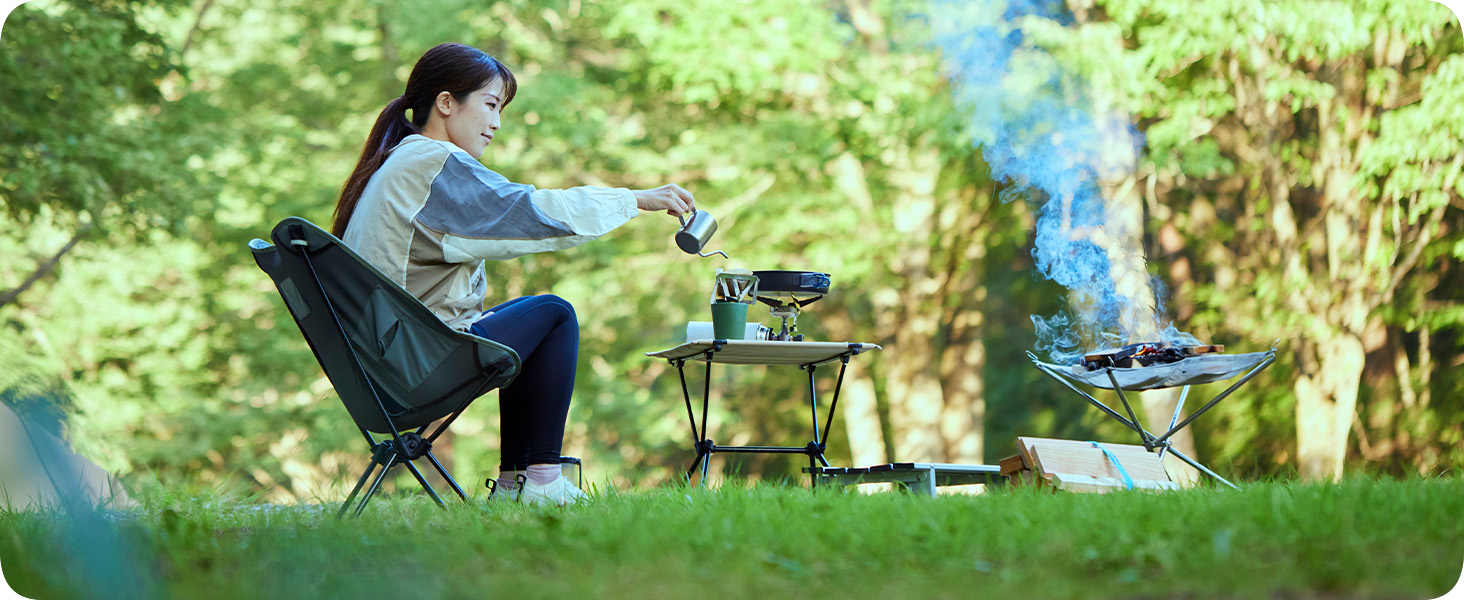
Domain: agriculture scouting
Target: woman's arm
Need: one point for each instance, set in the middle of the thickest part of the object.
(479, 214)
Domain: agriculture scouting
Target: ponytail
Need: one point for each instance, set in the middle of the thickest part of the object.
(454, 68)
(390, 129)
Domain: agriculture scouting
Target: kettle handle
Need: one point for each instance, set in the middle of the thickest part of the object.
(684, 220)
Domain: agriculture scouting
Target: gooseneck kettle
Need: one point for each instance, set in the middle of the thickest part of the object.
(696, 232)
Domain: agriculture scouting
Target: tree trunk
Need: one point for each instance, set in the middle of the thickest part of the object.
(1333, 359)
(1159, 404)
(1326, 399)
(860, 406)
(964, 413)
(859, 399)
(913, 385)
(390, 58)
(915, 397)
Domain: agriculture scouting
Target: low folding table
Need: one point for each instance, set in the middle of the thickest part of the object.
(1193, 370)
(807, 356)
(920, 479)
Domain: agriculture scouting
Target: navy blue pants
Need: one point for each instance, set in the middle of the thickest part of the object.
(532, 410)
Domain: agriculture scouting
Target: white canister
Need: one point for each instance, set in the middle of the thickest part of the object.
(702, 330)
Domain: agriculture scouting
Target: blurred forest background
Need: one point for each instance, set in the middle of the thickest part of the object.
(1300, 180)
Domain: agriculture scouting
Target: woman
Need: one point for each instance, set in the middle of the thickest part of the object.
(425, 212)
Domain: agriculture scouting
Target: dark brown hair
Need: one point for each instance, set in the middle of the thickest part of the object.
(454, 68)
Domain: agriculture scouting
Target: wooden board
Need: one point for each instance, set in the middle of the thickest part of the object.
(1012, 464)
(1203, 349)
(1070, 482)
(1024, 450)
(1097, 355)
(1067, 455)
(1092, 461)
(1083, 467)
(1027, 478)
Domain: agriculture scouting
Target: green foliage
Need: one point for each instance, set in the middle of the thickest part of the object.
(92, 134)
(1418, 145)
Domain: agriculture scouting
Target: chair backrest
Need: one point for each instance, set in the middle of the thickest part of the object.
(372, 338)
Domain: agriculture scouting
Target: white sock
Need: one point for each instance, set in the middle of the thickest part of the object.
(508, 480)
(543, 474)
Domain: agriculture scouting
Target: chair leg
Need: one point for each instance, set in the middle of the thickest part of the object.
(359, 483)
(418, 474)
(450, 480)
(375, 484)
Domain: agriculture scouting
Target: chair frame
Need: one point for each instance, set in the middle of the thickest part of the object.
(399, 448)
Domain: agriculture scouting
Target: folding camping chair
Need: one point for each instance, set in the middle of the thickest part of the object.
(394, 364)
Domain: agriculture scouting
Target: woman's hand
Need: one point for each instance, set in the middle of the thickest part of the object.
(672, 198)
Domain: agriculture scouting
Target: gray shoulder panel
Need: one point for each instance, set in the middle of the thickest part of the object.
(468, 200)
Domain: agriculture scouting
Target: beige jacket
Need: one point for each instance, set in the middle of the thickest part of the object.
(432, 214)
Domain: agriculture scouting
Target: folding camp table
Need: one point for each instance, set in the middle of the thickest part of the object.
(1193, 370)
(807, 356)
(921, 479)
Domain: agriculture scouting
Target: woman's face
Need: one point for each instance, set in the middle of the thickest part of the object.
(471, 125)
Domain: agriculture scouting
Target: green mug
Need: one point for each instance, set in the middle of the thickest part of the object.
(729, 320)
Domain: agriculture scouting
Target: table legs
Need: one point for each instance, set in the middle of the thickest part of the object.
(705, 447)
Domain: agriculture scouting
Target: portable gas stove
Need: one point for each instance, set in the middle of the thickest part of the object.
(786, 293)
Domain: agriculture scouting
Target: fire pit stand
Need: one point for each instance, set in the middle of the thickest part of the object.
(1193, 370)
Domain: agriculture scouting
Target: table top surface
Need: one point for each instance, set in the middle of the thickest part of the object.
(763, 352)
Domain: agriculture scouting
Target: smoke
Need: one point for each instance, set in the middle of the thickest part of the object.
(1046, 139)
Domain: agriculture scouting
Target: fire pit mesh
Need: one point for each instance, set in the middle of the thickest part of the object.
(1194, 370)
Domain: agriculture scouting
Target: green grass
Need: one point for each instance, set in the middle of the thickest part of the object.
(1363, 538)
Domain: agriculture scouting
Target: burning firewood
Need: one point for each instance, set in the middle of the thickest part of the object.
(1144, 354)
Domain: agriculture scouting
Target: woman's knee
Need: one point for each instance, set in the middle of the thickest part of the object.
(564, 310)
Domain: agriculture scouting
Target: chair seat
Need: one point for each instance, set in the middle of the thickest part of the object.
(393, 363)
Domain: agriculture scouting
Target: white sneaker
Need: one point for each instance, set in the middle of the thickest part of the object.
(558, 492)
